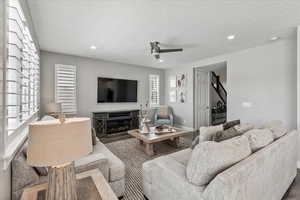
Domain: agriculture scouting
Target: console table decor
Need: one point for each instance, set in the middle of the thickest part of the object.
(111, 122)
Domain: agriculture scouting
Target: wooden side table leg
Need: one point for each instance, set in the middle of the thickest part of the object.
(149, 149)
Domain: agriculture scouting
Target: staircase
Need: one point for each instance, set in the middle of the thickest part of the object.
(217, 85)
(218, 113)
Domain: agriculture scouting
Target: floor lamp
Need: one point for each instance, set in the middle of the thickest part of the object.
(57, 144)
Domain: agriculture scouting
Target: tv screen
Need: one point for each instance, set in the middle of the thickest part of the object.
(116, 90)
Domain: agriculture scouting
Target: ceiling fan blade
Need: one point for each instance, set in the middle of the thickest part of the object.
(169, 50)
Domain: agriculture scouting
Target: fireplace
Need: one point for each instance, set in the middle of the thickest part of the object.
(113, 122)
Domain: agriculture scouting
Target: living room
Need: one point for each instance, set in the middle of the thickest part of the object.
(140, 78)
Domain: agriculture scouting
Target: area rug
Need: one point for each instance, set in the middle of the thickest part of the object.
(134, 158)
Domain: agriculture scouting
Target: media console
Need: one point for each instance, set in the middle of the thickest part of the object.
(112, 122)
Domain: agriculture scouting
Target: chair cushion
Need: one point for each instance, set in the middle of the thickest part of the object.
(116, 166)
(210, 158)
(163, 122)
(259, 138)
(163, 111)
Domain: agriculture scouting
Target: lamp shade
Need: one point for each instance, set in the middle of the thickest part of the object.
(52, 143)
(53, 108)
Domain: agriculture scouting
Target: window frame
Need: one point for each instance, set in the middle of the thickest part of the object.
(11, 141)
(157, 104)
(75, 90)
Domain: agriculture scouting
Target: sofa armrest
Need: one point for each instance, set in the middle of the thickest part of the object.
(93, 161)
(168, 179)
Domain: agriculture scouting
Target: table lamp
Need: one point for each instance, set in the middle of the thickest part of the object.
(53, 108)
(57, 144)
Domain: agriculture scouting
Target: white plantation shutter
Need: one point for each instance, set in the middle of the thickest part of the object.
(154, 89)
(22, 70)
(65, 88)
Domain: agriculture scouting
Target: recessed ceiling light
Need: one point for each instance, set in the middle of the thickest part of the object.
(230, 37)
(274, 38)
(161, 60)
(93, 47)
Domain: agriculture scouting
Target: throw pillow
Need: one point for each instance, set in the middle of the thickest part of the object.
(259, 138)
(195, 142)
(225, 135)
(206, 133)
(41, 171)
(211, 158)
(273, 123)
(243, 128)
(24, 175)
(276, 127)
(230, 124)
(94, 137)
(278, 131)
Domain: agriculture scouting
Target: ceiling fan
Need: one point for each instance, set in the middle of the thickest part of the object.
(156, 50)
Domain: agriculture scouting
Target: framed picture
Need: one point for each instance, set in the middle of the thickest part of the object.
(181, 83)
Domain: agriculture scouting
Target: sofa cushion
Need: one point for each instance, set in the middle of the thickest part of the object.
(47, 117)
(182, 156)
(42, 171)
(276, 127)
(23, 174)
(272, 123)
(210, 158)
(206, 133)
(230, 124)
(243, 128)
(259, 138)
(225, 135)
(116, 166)
(278, 131)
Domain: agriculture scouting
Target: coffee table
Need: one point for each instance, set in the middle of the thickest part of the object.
(91, 185)
(146, 141)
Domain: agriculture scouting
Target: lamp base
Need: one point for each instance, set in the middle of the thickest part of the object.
(62, 183)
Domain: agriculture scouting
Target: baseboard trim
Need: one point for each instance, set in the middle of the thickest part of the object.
(298, 164)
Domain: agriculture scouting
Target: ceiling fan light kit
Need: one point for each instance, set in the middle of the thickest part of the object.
(156, 50)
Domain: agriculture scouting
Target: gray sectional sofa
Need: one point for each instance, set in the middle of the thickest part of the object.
(112, 168)
(265, 174)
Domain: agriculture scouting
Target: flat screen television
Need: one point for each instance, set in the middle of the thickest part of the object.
(112, 90)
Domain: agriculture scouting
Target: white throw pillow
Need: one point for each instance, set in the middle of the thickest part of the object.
(243, 128)
(210, 158)
(259, 138)
(271, 124)
(278, 131)
(206, 133)
(276, 127)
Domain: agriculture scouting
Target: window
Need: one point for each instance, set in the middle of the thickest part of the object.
(65, 88)
(154, 89)
(22, 71)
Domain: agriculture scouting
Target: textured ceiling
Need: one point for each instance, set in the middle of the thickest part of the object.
(122, 29)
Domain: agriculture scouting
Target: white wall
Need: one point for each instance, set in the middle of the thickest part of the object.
(264, 76)
(88, 71)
